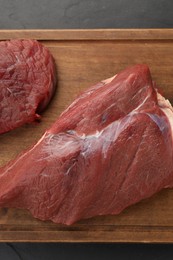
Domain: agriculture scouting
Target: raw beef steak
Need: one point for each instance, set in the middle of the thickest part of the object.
(27, 82)
(110, 149)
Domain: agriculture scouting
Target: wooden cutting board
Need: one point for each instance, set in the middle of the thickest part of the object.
(83, 58)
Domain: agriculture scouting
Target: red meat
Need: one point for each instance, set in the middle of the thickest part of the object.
(27, 82)
(110, 149)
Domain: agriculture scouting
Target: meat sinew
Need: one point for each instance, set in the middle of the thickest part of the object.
(110, 149)
(27, 82)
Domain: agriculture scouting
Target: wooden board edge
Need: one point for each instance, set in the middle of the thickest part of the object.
(89, 34)
(87, 237)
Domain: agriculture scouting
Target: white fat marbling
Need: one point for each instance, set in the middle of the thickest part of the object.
(166, 107)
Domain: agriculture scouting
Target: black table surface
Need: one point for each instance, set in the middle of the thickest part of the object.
(61, 14)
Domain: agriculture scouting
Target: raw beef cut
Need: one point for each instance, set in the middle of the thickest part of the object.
(110, 149)
(27, 82)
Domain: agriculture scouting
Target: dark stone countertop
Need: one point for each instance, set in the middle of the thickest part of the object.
(54, 14)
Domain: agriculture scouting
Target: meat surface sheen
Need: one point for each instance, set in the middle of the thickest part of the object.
(27, 82)
(110, 149)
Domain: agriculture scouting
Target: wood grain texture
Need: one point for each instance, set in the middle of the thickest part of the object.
(87, 34)
(83, 58)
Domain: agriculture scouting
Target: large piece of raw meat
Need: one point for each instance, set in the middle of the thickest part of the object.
(27, 82)
(110, 149)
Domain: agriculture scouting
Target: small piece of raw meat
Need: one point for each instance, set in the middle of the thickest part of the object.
(27, 82)
(110, 149)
